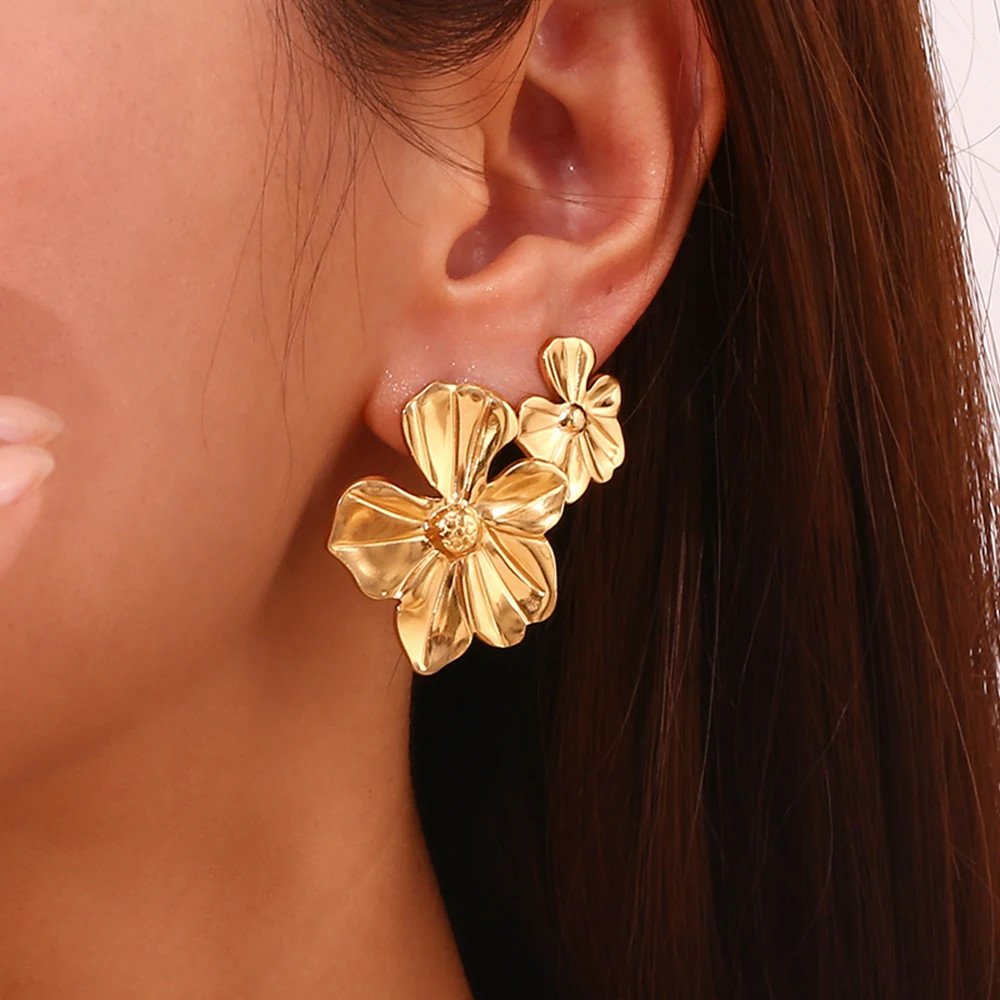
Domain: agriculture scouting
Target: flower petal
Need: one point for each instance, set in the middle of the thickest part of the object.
(431, 618)
(541, 432)
(604, 447)
(577, 469)
(567, 363)
(510, 582)
(378, 535)
(529, 497)
(454, 432)
(604, 397)
(534, 563)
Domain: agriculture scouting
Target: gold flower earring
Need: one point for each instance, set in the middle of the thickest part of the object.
(580, 434)
(474, 560)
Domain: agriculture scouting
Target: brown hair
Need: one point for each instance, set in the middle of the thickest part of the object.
(755, 753)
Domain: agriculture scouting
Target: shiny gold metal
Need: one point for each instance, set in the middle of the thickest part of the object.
(472, 560)
(580, 434)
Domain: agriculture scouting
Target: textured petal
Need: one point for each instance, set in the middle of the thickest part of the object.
(529, 497)
(431, 618)
(510, 582)
(454, 432)
(534, 563)
(577, 469)
(567, 363)
(604, 397)
(378, 535)
(541, 431)
(604, 447)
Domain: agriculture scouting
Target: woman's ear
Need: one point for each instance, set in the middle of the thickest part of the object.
(594, 132)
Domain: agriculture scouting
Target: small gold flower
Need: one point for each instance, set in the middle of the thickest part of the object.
(581, 434)
(472, 561)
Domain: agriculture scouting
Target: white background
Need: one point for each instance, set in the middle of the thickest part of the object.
(967, 34)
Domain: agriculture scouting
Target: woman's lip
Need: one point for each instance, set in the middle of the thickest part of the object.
(25, 422)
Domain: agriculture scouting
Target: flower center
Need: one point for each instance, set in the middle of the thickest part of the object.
(454, 529)
(574, 418)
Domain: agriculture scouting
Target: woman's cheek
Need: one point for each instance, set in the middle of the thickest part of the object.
(132, 153)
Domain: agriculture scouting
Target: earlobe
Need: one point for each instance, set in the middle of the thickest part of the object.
(591, 164)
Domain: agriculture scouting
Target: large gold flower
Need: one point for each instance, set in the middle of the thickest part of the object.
(472, 561)
(580, 434)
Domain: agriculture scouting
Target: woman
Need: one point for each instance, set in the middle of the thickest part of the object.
(753, 751)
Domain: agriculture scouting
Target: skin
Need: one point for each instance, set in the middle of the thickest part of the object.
(204, 785)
